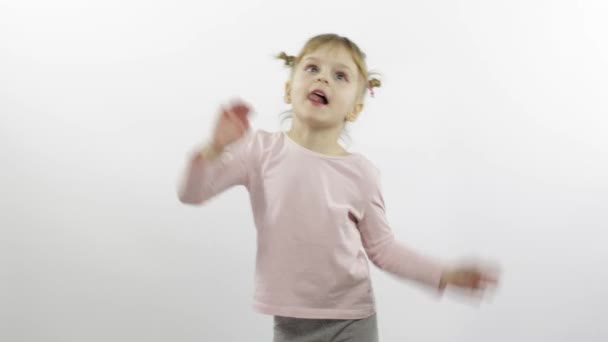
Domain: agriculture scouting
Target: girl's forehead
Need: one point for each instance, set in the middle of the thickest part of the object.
(332, 54)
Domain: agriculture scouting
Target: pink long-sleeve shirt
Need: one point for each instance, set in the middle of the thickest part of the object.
(318, 219)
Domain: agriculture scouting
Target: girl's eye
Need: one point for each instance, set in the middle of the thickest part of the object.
(339, 75)
(342, 76)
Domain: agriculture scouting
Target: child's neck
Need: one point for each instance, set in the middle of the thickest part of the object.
(324, 141)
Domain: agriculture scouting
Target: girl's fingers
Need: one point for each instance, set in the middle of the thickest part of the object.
(242, 113)
(241, 110)
(226, 111)
(232, 121)
(237, 121)
(490, 276)
(240, 107)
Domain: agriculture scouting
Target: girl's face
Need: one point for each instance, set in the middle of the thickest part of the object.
(325, 86)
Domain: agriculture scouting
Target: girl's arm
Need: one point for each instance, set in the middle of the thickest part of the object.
(388, 253)
(209, 171)
(222, 163)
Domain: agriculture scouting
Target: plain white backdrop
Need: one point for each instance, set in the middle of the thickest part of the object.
(490, 130)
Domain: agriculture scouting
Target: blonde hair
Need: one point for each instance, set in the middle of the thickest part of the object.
(334, 40)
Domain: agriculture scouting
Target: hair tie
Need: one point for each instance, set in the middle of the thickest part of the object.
(289, 60)
(373, 83)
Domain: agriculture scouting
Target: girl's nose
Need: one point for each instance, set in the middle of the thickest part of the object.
(321, 79)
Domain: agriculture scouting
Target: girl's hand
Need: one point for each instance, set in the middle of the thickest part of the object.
(232, 123)
(471, 278)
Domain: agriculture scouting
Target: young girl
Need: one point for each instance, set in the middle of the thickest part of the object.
(318, 209)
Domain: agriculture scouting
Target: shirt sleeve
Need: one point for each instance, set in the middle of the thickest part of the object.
(201, 179)
(385, 251)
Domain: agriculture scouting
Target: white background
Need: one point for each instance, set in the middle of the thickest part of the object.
(490, 130)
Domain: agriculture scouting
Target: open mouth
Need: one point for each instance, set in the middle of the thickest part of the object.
(318, 96)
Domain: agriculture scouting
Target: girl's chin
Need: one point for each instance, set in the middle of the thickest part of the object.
(315, 118)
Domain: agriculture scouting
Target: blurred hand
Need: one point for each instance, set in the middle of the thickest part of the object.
(470, 278)
(231, 124)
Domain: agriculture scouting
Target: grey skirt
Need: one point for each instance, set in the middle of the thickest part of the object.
(289, 329)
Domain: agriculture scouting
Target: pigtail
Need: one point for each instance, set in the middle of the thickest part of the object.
(371, 84)
(289, 60)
